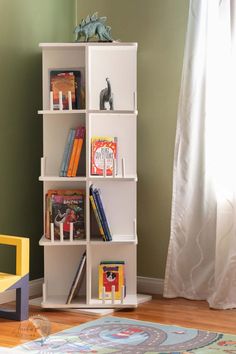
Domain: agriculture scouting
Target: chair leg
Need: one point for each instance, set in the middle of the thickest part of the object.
(22, 301)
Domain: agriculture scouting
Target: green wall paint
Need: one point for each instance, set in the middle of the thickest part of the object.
(24, 24)
(159, 27)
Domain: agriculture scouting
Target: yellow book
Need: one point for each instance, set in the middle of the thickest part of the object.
(78, 151)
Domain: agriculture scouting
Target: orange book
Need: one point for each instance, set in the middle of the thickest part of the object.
(78, 151)
(73, 153)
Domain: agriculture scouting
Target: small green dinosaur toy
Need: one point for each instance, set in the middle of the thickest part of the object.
(93, 26)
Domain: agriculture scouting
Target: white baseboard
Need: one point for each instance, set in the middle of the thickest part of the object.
(150, 285)
(35, 289)
(145, 286)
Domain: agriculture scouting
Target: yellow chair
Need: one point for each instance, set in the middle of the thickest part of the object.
(18, 281)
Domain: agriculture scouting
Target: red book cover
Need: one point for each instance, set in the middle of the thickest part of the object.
(103, 149)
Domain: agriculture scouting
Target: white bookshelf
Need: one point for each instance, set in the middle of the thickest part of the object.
(96, 61)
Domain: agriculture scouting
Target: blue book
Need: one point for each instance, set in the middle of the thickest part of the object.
(103, 215)
(63, 162)
(91, 191)
(69, 150)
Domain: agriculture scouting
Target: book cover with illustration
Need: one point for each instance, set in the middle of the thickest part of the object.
(65, 206)
(103, 148)
(111, 274)
(64, 81)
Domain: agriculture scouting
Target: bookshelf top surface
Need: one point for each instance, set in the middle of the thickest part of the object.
(85, 44)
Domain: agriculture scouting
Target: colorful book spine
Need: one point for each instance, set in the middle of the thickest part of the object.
(73, 152)
(97, 217)
(103, 215)
(81, 135)
(99, 213)
(66, 151)
(69, 152)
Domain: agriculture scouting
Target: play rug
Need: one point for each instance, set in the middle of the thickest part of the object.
(122, 335)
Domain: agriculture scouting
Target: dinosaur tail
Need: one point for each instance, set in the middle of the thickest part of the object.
(107, 34)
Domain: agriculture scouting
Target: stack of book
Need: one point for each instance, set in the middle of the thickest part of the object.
(64, 207)
(72, 152)
(99, 212)
(111, 274)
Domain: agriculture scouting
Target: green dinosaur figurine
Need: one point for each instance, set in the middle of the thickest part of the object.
(93, 26)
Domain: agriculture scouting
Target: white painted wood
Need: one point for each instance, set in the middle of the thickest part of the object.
(119, 191)
(70, 100)
(118, 63)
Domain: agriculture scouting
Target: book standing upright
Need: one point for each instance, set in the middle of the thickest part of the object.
(94, 63)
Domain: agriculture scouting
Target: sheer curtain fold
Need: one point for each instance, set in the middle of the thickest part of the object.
(202, 249)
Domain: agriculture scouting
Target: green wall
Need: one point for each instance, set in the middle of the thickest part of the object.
(159, 27)
(24, 24)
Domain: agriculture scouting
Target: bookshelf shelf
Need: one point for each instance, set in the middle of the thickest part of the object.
(62, 258)
(46, 242)
(62, 179)
(48, 112)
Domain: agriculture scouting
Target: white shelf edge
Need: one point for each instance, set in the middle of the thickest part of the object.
(110, 243)
(84, 179)
(65, 179)
(111, 178)
(83, 111)
(65, 111)
(59, 302)
(46, 242)
(97, 111)
(86, 44)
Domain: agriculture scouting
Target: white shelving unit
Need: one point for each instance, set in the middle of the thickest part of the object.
(61, 258)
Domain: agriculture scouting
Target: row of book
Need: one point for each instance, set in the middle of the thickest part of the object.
(103, 154)
(65, 214)
(111, 280)
(99, 212)
(66, 81)
(72, 152)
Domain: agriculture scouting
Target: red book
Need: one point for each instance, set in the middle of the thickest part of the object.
(103, 148)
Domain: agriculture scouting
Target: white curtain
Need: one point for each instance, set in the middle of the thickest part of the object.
(201, 261)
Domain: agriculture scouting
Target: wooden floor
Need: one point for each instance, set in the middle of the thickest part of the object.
(181, 312)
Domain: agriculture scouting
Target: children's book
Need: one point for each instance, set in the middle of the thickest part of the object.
(77, 281)
(103, 155)
(111, 274)
(65, 206)
(64, 81)
(67, 153)
(93, 205)
(101, 212)
(78, 151)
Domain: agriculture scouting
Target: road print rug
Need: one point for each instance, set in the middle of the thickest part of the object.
(122, 335)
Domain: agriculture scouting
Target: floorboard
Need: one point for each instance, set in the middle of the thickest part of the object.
(187, 313)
